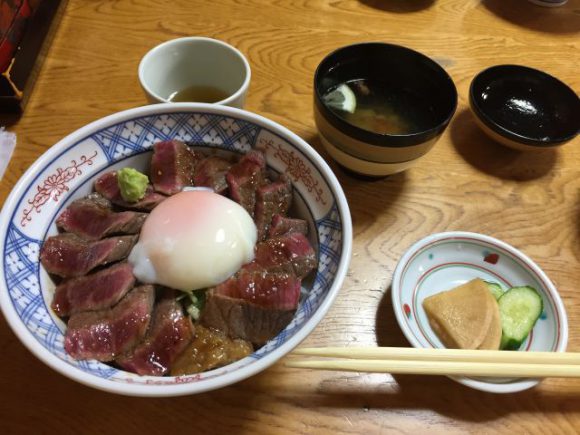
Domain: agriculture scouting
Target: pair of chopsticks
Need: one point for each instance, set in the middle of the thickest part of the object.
(452, 362)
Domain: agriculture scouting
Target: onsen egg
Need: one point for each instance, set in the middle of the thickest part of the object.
(193, 240)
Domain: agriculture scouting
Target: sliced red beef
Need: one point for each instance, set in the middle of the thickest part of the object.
(291, 249)
(68, 255)
(242, 319)
(99, 200)
(211, 172)
(245, 177)
(104, 334)
(170, 333)
(274, 290)
(254, 305)
(271, 199)
(107, 186)
(172, 166)
(93, 292)
(92, 218)
(281, 225)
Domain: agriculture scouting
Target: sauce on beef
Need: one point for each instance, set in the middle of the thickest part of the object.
(208, 350)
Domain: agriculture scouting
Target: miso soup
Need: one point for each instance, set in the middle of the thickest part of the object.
(383, 109)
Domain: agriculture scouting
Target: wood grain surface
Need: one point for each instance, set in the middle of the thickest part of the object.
(467, 183)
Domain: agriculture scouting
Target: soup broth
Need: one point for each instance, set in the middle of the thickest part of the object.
(383, 109)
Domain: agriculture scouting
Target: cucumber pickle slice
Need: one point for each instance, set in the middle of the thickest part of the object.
(496, 290)
(519, 309)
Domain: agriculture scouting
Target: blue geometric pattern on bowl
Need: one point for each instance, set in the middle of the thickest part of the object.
(21, 253)
(136, 135)
(21, 275)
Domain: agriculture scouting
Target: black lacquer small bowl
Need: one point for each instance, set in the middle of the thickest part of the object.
(524, 108)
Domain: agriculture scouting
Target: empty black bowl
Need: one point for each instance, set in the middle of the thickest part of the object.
(524, 108)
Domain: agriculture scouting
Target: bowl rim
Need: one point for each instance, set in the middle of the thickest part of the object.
(503, 131)
(509, 387)
(384, 140)
(74, 373)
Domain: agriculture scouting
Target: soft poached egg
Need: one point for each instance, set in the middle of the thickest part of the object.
(193, 240)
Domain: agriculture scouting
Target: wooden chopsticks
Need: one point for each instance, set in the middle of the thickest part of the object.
(455, 362)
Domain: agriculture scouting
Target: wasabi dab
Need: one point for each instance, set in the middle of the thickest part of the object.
(132, 184)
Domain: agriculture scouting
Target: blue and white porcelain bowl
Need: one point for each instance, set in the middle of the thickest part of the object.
(67, 171)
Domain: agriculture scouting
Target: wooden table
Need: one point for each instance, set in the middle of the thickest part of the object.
(466, 183)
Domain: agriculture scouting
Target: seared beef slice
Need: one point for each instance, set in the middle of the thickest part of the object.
(92, 218)
(170, 333)
(245, 177)
(211, 172)
(291, 249)
(68, 255)
(271, 199)
(245, 320)
(254, 305)
(273, 290)
(104, 334)
(172, 166)
(281, 225)
(260, 300)
(92, 292)
(108, 186)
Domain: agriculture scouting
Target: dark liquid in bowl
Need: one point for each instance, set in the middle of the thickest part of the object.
(199, 94)
(385, 109)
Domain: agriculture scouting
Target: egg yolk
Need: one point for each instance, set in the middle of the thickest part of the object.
(194, 240)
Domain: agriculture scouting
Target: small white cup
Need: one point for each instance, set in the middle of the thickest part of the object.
(195, 61)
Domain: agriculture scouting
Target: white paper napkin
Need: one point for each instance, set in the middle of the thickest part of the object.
(7, 144)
